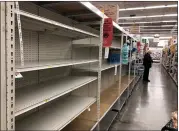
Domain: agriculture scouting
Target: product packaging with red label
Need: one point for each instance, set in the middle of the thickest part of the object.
(107, 32)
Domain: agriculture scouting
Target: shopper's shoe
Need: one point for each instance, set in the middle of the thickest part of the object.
(148, 80)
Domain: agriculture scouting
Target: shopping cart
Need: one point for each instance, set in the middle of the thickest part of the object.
(169, 127)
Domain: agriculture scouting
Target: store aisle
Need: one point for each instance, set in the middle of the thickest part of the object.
(150, 106)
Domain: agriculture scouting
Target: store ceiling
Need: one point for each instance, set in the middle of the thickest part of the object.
(151, 19)
(154, 20)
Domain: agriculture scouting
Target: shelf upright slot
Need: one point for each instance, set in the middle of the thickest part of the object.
(99, 72)
(10, 64)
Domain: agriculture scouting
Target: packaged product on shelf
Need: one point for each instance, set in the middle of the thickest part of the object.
(125, 52)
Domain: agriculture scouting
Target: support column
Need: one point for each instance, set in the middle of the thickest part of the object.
(10, 67)
(2, 69)
(99, 73)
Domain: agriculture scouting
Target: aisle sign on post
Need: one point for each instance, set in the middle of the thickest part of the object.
(156, 38)
(135, 29)
(107, 32)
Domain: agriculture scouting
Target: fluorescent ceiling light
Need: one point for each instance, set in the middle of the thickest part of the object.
(154, 32)
(159, 37)
(149, 7)
(154, 29)
(167, 25)
(149, 22)
(151, 26)
(154, 7)
(150, 16)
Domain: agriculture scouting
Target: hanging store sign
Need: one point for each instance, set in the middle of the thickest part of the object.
(156, 38)
(135, 29)
(110, 10)
(107, 32)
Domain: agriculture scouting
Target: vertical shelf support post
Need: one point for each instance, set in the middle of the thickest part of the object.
(99, 72)
(120, 70)
(2, 69)
(10, 64)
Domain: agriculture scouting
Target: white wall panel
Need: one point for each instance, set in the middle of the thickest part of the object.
(54, 73)
(87, 41)
(29, 78)
(116, 42)
(30, 39)
(54, 47)
(87, 90)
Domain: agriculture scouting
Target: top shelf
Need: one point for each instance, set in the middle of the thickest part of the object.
(79, 13)
(50, 26)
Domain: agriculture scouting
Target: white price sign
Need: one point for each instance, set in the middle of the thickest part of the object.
(115, 71)
(106, 52)
(156, 39)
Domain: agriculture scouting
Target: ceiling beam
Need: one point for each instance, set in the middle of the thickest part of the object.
(55, 3)
(150, 26)
(153, 29)
(148, 16)
(90, 23)
(148, 22)
(149, 7)
(174, 28)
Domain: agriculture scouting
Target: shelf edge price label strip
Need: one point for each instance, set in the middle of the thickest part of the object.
(18, 75)
(115, 71)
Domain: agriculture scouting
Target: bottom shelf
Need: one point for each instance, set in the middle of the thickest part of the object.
(175, 81)
(57, 115)
(88, 119)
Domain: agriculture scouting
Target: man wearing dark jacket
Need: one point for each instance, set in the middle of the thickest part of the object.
(147, 62)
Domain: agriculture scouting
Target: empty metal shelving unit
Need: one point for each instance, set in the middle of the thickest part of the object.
(53, 72)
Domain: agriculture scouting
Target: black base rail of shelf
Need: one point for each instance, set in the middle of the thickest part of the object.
(170, 76)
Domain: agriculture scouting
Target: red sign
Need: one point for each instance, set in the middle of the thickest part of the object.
(107, 32)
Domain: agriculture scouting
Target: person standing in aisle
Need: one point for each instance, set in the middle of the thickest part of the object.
(147, 62)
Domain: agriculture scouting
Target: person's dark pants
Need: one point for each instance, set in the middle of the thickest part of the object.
(146, 73)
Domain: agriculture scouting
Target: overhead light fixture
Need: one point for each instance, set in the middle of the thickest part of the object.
(151, 26)
(149, 22)
(149, 7)
(154, 29)
(154, 32)
(160, 37)
(167, 25)
(150, 16)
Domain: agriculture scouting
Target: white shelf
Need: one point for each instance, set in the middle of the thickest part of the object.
(93, 45)
(32, 66)
(56, 116)
(33, 96)
(40, 20)
(84, 45)
(115, 47)
(95, 67)
(108, 66)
